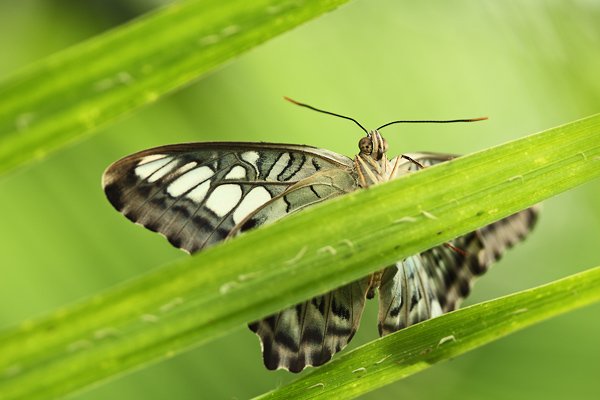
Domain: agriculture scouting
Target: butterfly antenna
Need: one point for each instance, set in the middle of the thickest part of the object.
(325, 112)
(447, 121)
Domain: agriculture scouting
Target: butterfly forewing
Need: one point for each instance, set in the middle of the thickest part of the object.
(199, 194)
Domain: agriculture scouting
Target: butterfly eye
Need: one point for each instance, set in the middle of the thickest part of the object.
(365, 145)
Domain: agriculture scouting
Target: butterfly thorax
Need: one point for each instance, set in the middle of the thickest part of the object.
(371, 163)
(372, 166)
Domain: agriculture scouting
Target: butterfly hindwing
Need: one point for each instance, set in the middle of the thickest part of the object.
(431, 283)
(199, 194)
(435, 281)
(309, 333)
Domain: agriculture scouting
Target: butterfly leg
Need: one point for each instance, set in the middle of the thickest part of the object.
(412, 160)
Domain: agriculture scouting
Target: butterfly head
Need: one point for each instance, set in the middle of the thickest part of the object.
(373, 145)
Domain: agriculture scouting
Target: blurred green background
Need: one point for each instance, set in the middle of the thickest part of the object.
(528, 66)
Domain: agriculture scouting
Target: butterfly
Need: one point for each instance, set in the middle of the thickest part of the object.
(199, 194)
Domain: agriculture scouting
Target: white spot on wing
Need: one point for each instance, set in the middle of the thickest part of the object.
(186, 167)
(189, 180)
(224, 198)
(145, 169)
(254, 199)
(237, 172)
(199, 193)
(251, 157)
(150, 158)
(162, 171)
(279, 166)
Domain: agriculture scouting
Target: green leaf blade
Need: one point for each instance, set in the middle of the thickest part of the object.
(68, 95)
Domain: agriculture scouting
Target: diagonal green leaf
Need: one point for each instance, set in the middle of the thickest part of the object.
(418, 347)
(69, 94)
(191, 301)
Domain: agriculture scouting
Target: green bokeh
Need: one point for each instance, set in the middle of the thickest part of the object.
(527, 65)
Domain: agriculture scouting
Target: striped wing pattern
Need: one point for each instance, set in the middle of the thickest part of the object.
(431, 283)
(311, 332)
(199, 194)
